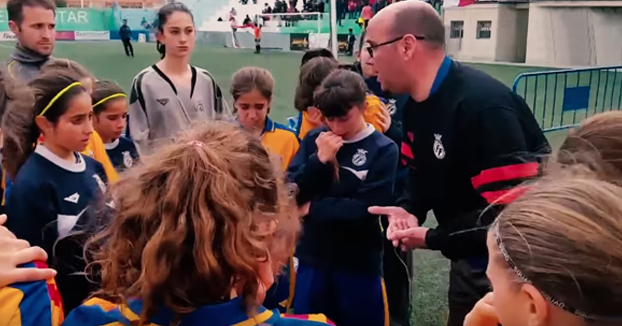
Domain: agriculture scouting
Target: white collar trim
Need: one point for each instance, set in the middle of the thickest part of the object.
(112, 145)
(77, 167)
(361, 135)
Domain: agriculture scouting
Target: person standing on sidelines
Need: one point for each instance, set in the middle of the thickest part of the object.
(34, 24)
(468, 142)
(125, 33)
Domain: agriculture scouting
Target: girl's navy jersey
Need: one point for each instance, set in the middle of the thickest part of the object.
(122, 153)
(339, 232)
(50, 195)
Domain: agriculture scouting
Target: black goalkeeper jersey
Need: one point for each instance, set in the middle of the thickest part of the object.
(471, 144)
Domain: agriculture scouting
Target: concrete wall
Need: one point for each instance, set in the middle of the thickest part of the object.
(574, 35)
(508, 32)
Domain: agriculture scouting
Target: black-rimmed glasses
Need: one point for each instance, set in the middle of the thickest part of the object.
(370, 48)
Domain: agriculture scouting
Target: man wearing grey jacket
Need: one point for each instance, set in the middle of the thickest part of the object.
(34, 24)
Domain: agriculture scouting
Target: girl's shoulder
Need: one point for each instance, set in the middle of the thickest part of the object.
(126, 143)
(35, 303)
(204, 74)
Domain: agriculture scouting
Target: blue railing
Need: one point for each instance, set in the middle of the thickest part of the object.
(561, 99)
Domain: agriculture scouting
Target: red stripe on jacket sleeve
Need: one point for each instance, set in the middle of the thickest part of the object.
(504, 196)
(407, 151)
(504, 173)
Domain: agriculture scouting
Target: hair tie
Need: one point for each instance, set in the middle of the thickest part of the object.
(196, 143)
(109, 98)
(55, 98)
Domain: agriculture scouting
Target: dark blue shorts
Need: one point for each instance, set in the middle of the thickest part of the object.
(346, 298)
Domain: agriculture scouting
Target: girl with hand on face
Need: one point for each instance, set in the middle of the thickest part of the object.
(167, 97)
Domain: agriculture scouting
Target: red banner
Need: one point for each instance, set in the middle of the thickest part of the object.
(65, 35)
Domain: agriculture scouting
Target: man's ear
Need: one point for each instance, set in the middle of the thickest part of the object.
(14, 27)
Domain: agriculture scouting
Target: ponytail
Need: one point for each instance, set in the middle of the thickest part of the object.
(19, 131)
(161, 49)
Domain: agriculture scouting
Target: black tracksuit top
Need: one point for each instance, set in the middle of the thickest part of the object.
(471, 144)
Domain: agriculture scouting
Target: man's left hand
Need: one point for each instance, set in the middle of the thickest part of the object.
(411, 238)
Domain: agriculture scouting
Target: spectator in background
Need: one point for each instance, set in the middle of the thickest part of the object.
(351, 9)
(145, 24)
(351, 40)
(125, 33)
(341, 9)
(257, 31)
(367, 13)
(247, 22)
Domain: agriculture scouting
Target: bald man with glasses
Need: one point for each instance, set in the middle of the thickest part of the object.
(469, 141)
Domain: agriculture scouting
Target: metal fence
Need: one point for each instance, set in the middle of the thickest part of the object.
(561, 99)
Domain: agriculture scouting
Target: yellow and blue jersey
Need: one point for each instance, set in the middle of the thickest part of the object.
(280, 141)
(301, 125)
(98, 312)
(31, 303)
(375, 105)
(97, 150)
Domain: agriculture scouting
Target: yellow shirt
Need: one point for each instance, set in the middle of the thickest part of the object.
(96, 150)
(373, 111)
(371, 115)
(280, 141)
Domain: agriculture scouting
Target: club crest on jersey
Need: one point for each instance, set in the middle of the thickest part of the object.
(360, 157)
(127, 159)
(439, 150)
(200, 106)
(100, 183)
(391, 106)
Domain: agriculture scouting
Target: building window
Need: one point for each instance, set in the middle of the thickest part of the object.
(456, 29)
(483, 28)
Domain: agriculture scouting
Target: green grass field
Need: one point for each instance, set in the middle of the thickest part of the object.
(107, 61)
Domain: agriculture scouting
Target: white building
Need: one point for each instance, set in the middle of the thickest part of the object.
(543, 33)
